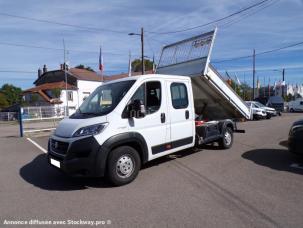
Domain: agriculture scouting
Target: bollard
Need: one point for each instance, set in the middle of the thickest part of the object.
(20, 121)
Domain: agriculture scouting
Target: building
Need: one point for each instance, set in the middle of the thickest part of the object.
(51, 90)
(295, 90)
(50, 87)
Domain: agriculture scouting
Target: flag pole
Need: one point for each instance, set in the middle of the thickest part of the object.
(101, 64)
(154, 66)
(129, 64)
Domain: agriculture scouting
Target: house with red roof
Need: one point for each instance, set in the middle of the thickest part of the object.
(52, 88)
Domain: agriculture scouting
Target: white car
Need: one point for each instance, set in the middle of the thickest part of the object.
(258, 113)
(295, 106)
(269, 111)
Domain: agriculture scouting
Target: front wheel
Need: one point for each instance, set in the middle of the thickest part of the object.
(123, 165)
(227, 140)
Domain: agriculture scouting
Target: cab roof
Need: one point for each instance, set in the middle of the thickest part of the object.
(141, 77)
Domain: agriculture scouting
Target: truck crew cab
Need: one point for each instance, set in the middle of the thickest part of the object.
(128, 122)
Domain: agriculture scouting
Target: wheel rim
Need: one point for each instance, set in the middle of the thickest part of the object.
(227, 138)
(124, 166)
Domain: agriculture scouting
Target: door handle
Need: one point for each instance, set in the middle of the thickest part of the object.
(186, 114)
(162, 117)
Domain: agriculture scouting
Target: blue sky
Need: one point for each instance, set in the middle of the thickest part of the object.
(280, 24)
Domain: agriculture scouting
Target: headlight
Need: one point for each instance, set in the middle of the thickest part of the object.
(90, 130)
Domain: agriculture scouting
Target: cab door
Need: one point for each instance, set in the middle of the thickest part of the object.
(181, 112)
(154, 126)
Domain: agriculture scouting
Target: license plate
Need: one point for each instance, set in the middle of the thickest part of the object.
(55, 162)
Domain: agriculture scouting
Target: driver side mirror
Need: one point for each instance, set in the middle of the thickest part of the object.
(136, 109)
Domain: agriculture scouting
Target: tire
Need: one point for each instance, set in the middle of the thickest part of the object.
(256, 117)
(291, 110)
(123, 165)
(227, 141)
(268, 116)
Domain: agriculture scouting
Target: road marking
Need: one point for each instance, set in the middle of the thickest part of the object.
(38, 130)
(296, 165)
(37, 145)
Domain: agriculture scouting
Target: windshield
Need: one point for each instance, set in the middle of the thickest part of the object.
(258, 104)
(248, 103)
(105, 98)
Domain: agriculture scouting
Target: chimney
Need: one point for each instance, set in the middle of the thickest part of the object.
(65, 66)
(39, 72)
(61, 66)
(44, 69)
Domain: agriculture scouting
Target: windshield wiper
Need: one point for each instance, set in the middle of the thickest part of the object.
(91, 113)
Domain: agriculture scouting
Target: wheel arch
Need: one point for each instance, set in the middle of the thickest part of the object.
(132, 139)
(227, 123)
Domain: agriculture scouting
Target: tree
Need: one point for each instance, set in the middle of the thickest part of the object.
(56, 92)
(3, 101)
(243, 90)
(81, 66)
(289, 97)
(12, 93)
(137, 66)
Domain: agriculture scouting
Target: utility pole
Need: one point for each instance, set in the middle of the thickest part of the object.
(283, 78)
(264, 87)
(65, 76)
(142, 47)
(142, 50)
(254, 74)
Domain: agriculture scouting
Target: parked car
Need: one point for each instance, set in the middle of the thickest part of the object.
(295, 138)
(295, 106)
(269, 111)
(275, 102)
(258, 113)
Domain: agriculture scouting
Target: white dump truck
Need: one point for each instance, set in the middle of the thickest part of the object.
(128, 122)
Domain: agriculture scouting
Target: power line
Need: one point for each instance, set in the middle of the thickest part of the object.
(55, 49)
(94, 29)
(213, 22)
(17, 71)
(248, 14)
(260, 53)
(90, 29)
(261, 70)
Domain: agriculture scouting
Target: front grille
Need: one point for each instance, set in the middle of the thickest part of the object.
(59, 147)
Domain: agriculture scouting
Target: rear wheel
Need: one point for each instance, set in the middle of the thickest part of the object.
(227, 140)
(123, 165)
(268, 116)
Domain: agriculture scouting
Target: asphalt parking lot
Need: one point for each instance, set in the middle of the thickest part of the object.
(256, 183)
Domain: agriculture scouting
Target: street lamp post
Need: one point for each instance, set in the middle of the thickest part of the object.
(283, 79)
(142, 47)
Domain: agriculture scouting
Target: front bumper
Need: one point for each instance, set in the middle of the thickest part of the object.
(272, 113)
(260, 115)
(76, 157)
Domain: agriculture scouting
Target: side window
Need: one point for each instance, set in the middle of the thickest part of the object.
(70, 95)
(301, 102)
(179, 95)
(150, 95)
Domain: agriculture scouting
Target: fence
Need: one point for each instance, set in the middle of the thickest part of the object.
(43, 112)
(34, 119)
(8, 116)
(41, 118)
